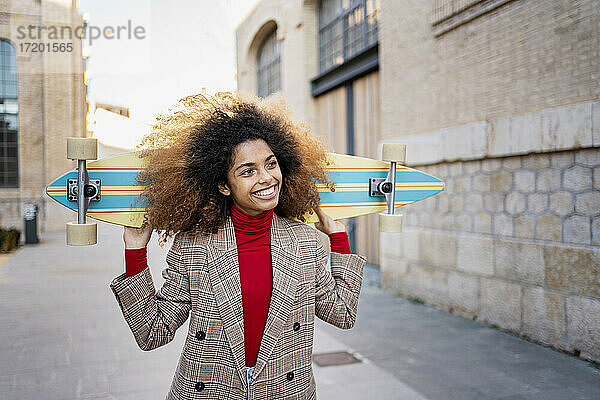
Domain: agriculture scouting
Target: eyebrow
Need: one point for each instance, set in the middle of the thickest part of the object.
(250, 164)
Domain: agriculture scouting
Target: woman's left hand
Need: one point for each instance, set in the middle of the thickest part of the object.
(326, 224)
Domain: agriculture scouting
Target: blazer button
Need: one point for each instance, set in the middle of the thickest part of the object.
(200, 335)
(296, 326)
(200, 386)
(290, 376)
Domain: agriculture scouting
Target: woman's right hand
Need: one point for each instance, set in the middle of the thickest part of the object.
(136, 238)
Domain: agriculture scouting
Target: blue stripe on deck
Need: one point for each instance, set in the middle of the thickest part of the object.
(363, 197)
(363, 176)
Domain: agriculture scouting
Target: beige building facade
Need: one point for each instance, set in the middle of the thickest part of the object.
(338, 98)
(501, 100)
(45, 63)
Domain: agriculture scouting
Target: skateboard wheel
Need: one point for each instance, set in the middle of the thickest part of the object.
(81, 234)
(82, 148)
(390, 222)
(394, 152)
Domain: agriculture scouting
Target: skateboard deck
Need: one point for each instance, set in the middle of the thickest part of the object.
(121, 200)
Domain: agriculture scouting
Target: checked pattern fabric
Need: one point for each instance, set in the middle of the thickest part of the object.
(202, 279)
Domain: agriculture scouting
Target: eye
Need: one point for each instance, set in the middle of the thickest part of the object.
(272, 164)
(246, 172)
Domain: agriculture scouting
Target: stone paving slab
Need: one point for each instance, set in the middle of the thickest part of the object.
(64, 337)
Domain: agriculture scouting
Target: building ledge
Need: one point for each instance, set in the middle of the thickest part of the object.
(567, 127)
(449, 15)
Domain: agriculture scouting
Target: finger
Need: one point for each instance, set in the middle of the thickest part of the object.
(319, 212)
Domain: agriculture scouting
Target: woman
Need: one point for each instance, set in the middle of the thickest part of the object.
(227, 176)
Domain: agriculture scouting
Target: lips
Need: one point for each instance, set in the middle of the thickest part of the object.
(267, 193)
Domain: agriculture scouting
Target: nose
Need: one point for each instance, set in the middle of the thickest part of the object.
(264, 176)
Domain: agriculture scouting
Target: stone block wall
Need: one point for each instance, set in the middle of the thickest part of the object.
(513, 241)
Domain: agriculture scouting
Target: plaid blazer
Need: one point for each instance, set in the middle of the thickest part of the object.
(203, 277)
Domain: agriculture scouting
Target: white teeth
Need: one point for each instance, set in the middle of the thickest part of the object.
(266, 192)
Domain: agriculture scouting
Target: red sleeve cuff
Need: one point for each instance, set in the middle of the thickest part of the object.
(135, 261)
(339, 242)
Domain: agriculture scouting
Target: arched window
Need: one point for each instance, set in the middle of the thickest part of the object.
(346, 27)
(269, 77)
(9, 109)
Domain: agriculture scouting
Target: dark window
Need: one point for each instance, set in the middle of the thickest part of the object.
(9, 109)
(346, 27)
(269, 77)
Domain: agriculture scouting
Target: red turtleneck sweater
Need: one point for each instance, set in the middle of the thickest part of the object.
(252, 233)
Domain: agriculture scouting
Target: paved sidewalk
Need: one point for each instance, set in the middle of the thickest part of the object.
(446, 357)
(63, 337)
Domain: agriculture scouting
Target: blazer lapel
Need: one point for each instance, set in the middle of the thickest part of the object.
(224, 274)
(285, 280)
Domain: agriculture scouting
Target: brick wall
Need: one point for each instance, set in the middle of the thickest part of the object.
(523, 56)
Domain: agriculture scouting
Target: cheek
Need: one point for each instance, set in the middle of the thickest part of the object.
(243, 188)
(237, 186)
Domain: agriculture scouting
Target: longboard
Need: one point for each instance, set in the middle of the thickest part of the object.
(121, 201)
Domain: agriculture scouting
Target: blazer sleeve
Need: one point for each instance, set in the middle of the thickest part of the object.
(154, 317)
(337, 289)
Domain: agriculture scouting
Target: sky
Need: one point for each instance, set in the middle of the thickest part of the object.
(181, 47)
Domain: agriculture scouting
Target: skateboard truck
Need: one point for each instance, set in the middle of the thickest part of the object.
(82, 190)
(91, 189)
(380, 186)
(395, 154)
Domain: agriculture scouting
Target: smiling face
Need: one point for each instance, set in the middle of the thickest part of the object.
(254, 178)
